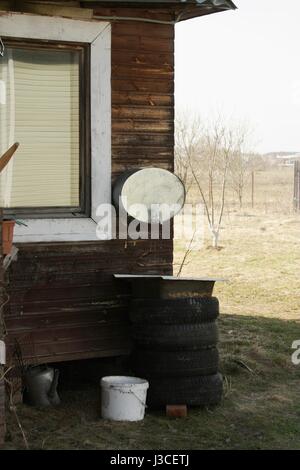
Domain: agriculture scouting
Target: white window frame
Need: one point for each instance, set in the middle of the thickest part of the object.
(98, 35)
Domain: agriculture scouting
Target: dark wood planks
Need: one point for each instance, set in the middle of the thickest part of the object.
(65, 303)
(142, 92)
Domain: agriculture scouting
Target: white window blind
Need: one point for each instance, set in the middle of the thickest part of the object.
(39, 108)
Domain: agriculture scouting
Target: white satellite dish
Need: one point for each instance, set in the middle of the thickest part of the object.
(149, 195)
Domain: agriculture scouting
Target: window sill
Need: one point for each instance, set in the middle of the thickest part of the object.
(56, 230)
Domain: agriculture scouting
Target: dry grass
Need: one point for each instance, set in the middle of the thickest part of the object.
(260, 257)
(260, 254)
(260, 319)
(260, 408)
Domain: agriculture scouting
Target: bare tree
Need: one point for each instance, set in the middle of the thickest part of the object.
(240, 167)
(209, 152)
(187, 135)
(238, 173)
(217, 150)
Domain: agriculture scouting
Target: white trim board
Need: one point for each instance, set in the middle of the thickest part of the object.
(98, 35)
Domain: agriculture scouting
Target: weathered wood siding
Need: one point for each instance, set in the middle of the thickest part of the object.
(64, 303)
(142, 96)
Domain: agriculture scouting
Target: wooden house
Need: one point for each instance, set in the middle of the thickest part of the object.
(87, 88)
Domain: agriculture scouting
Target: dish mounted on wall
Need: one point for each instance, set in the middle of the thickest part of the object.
(149, 195)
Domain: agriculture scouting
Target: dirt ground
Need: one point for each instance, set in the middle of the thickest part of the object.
(260, 307)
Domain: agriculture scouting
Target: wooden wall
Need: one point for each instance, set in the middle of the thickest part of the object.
(64, 303)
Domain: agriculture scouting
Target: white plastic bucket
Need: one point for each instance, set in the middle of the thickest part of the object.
(123, 398)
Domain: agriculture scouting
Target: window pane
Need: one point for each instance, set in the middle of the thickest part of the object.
(39, 107)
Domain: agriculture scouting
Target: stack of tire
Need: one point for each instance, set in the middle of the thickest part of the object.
(176, 350)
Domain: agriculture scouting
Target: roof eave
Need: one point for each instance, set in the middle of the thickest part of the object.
(185, 9)
(194, 9)
(199, 7)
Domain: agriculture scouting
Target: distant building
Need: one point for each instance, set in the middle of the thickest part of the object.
(288, 160)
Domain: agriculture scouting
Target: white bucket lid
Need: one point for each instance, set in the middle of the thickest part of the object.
(123, 382)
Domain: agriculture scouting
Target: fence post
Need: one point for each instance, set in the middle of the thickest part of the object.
(252, 189)
(297, 185)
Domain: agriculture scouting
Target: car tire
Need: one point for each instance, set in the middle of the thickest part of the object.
(191, 391)
(174, 363)
(174, 311)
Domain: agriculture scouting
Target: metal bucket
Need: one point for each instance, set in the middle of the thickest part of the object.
(41, 386)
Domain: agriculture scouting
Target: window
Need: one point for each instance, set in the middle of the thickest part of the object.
(43, 97)
(61, 212)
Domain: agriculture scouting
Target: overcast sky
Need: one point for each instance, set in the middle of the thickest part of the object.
(245, 64)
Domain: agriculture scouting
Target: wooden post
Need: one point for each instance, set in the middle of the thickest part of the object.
(297, 186)
(252, 189)
(4, 160)
(2, 333)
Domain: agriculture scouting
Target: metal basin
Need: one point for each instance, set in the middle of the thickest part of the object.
(168, 287)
